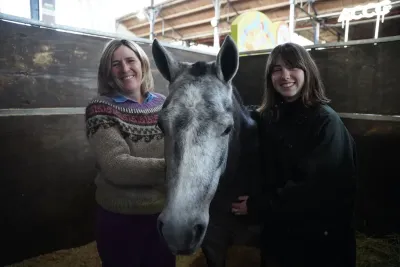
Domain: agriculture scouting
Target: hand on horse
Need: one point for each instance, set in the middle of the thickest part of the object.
(240, 208)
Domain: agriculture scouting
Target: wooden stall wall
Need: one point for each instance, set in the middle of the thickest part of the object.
(361, 79)
(47, 169)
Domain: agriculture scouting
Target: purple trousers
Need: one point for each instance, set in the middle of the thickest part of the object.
(130, 241)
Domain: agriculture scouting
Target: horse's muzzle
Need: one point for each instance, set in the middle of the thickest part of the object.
(183, 237)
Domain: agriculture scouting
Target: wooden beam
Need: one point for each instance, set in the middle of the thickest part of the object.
(192, 28)
(180, 14)
(204, 21)
(164, 5)
(204, 35)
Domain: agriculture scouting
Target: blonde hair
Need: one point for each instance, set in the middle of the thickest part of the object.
(295, 56)
(107, 83)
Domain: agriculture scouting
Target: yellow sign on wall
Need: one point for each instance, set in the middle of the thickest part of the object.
(253, 30)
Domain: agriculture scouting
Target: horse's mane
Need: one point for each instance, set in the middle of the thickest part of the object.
(242, 112)
(242, 117)
(241, 132)
(238, 98)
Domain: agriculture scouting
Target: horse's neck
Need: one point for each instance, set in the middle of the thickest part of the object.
(242, 124)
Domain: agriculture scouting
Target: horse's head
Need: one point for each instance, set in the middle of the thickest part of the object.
(197, 120)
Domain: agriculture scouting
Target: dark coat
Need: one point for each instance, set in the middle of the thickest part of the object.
(307, 199)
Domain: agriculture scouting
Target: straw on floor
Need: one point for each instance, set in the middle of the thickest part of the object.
(371, 252)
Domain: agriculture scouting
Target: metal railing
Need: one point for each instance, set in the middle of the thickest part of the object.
(330, 45)
(17, 112)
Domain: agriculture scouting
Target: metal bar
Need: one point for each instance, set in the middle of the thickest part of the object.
(313, 17)
(319, 16)
(167, 36)
(316, 32)
(151, 14)
(377, 26)
(346, 31)
(370, 117)
(81, 111)
(222, 16)
(351, 23)
(231, 5)
(169, 25)
(366, 21)
(215, 22)
(134, 14)
(205, 34)
(291, 19)
(82, 31)
(151, 19)
(34, 9)
(337, 14)
(327, 45)
(335, 31)
(310, 17)
(41, 111)
(171, 3)
(313, 8)
(178, 14)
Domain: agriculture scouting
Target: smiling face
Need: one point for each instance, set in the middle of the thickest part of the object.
(287, 81)
(127, 69)
(290, 74)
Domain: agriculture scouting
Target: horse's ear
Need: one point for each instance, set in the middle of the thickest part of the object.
(227, 62)
(165, 62)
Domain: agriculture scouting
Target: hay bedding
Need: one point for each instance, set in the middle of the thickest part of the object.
(86, 256)
(371, 252)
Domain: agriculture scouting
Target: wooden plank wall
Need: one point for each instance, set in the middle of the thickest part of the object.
(47, 169)
(359, 79)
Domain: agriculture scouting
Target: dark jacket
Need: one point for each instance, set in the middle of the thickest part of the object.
(309, 165)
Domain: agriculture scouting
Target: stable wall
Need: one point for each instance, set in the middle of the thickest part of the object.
(47, 169)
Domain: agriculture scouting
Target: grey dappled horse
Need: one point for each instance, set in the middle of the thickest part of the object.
(211, 152)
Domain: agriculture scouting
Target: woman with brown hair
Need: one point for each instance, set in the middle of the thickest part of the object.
(121, 125)
(306, 203)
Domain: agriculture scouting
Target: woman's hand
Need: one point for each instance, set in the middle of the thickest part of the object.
(240, 208)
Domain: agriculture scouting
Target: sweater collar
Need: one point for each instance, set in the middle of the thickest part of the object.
(119, 98)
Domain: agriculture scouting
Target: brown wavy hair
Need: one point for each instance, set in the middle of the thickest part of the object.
(294, 56)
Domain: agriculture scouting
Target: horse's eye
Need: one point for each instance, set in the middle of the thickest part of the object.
(227, 130)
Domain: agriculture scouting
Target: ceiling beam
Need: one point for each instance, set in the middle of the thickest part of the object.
(134, 14)
(181, 14)
(207, 20)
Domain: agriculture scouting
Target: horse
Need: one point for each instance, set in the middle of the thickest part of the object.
(211, 153)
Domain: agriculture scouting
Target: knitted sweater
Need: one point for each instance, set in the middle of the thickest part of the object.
(129, 152)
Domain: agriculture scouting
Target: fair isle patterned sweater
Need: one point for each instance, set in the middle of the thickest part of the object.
(129, 151)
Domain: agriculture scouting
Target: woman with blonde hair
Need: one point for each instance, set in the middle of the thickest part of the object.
(121, 124)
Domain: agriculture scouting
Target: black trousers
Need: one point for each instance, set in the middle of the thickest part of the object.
(313, 248)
